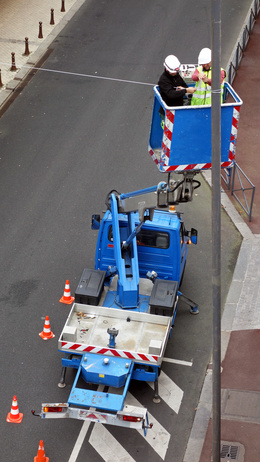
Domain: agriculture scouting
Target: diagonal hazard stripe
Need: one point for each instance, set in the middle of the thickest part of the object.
(157, 436)
(169, 392)
(107, 446)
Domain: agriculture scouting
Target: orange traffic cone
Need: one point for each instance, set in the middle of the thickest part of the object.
(46, 333)
(66, 298)
(41, 457)
(14, 416)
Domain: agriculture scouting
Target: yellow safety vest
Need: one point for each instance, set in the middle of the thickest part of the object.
(202, 94)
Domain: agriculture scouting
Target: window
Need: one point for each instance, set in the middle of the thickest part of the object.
(151, 238)
(182, 233)
(110, 234)
(148, 238)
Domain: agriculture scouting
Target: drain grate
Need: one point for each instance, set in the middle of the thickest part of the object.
(229, 452)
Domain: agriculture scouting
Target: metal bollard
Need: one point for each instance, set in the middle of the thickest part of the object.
(26, 51)
(40, 30)
(62, 6)
(13, 66)
(52, 17)
(1, 83)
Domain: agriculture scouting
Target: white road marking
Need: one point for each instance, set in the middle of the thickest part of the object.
(157, 436)
(82, 435)
(169, 392)
(178, 361)
(107, 446)
(79, 442)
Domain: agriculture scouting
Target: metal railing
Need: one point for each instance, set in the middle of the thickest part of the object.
(234, 177)
(242, 42)
(226, 175)
(239, 184)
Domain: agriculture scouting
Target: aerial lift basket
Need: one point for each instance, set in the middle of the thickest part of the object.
(183, 141)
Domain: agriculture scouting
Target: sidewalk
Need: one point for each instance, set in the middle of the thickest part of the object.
(241, 319)
(20, 20)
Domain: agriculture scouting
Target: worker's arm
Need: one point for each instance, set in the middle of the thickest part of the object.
(222, 77)
(188, 89)
(169, 91)
(195, 76)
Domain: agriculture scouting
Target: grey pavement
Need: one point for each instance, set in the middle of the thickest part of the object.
(242, 307)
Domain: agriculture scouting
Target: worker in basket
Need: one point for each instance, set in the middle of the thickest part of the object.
(202, 77)
(171, 85)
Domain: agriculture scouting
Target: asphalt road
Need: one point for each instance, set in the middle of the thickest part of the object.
(65, 142)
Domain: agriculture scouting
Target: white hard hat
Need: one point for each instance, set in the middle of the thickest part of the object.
(171, 63)
(204, 56)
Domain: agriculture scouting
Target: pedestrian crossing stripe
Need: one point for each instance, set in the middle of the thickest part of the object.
(169, 392)
(107, 446)
(158, 438)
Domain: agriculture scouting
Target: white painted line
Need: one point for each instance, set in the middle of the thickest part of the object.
(157, 436)
(169, 392)
(107, 446)
(82, 435)
(79, 442)
(178, 361)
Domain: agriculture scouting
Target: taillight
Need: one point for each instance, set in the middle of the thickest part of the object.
(131, 418)
(52, 409)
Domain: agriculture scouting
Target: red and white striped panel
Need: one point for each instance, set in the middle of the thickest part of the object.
(167, 135)
(182, 168)
(152, 153)
(233, 137)
(81, 348)
(92, 416)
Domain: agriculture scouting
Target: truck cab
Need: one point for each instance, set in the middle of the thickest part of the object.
(161, 244)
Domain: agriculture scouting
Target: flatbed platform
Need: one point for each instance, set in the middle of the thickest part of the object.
(142, 337)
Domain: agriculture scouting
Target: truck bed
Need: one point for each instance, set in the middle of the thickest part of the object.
(142, 336)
